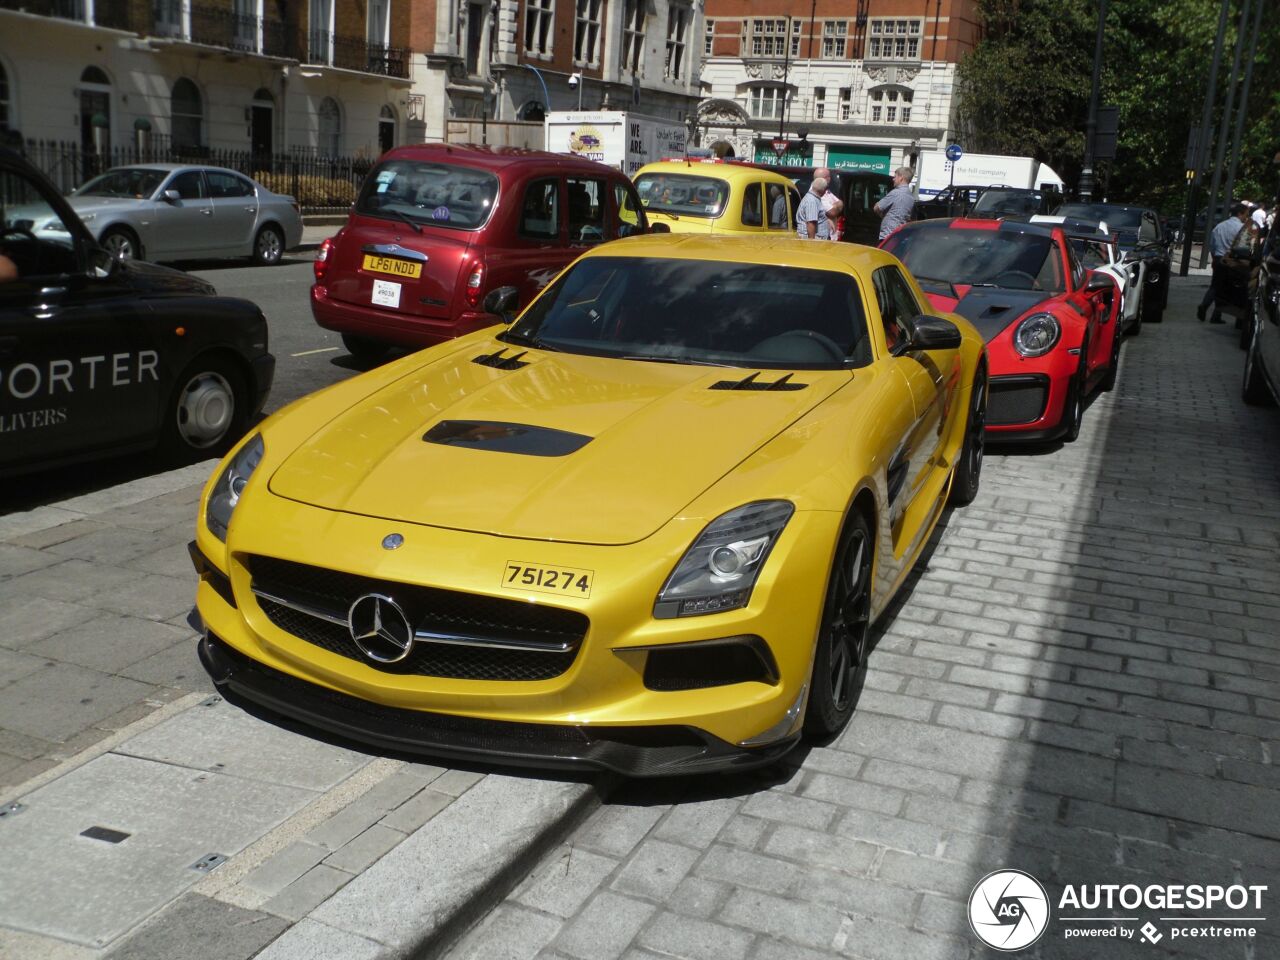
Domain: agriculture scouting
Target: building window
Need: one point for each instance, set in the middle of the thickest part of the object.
(378, 28)
(893, 105)
(538, 37)
(768, 38)
(833, 39)
(4, 99)
(186, 115)
(633, 36)
(893, 39)
(890, 114)
(767, 102)
(844, 103)
(819, 102)
(587, 32)
(330, 139)
(906, 114)
(495, 25)
(386, 129)
(320, 34)
(677, 22)
(795, 40)
(708, 37)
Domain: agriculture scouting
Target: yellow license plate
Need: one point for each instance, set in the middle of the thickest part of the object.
(561, 581)
(393, 266)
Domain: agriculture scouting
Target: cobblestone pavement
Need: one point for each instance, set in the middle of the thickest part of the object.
(1084, 684)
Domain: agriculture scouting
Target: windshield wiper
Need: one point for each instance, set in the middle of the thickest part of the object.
(521, 340)
(682, 360)
(401, 215)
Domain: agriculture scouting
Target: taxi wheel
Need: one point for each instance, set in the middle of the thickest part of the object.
(844, 638)
(209, 409)
(365, 349)
(268, 246)
(122, 244)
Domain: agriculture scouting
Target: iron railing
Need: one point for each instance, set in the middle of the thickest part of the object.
(354, 53)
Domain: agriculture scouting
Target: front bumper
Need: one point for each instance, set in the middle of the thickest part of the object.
(1028, 398)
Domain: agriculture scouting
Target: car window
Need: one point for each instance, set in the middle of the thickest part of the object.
(628, 211)
(223, 185)
(139, 183)
(33, 236)
(777, 199)
(752, 206)
(1077, 270)
(436, 194)
(1050, 276)
(1091, 254)
(586, 210)
(1150, 229)
(795, 205)
(931, 250)
(189, 184)
(897, 305)
(683, 194)
(540, 213)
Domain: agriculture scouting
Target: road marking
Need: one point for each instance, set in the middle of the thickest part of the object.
(307, 353)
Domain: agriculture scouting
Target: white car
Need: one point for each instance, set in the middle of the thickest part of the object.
(1096, 248)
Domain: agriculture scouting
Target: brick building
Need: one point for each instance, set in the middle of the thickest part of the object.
(269, 76)
(869, 81)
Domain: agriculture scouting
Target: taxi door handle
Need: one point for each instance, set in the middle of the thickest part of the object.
(8, 345)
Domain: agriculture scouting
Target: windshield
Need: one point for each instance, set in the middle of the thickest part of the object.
(700, 311)
(1117, 218)
(439, 194)
(1017, 203)
(1091, 253)
(137, 183)
(682, 194)
(994, 258)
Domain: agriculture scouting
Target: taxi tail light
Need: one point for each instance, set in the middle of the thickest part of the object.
(475, 285)
(321, 264)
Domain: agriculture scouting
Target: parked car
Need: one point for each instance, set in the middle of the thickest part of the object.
(1262, 362)
(709, 195)
(170, 211)
(1140, 237)
(955, 201)
(435, 227)
(1013, 202)
(1051, 326)
(646, 528)
(100, 356)
(1096, 248)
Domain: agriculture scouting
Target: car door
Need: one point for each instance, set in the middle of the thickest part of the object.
(183, 223)
(235, 212)
(78, 368)
(586, 208)
(535, 247)
(1098, 307)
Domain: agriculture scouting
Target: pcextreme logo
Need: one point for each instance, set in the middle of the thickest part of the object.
(1009, 910)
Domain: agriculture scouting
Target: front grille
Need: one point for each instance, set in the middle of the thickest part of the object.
(1018, 399)
(431, 609)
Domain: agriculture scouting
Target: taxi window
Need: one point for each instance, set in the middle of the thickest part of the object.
(34, 239)
(683, 194)
(586, 210)
(628, 214)
(190, 185)
(223, 185)
(540, 214)
(752, 210)
(777, 207)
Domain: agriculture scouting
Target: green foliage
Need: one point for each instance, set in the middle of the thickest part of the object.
(1025, 89)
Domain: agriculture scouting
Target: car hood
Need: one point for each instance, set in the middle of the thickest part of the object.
(990, 309)
(143, 277)
(566, 447)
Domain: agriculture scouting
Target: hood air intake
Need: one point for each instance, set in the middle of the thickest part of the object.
(505, 437)
(750, 382)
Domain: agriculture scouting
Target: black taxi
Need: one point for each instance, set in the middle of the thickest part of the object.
(100, 356)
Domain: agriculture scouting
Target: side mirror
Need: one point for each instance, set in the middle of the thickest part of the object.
(101, 263)
(659, 228)
(930, 333)
(171, 196)
(503, 302)
(1098, 282)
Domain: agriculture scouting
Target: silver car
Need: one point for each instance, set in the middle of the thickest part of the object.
(170, 211)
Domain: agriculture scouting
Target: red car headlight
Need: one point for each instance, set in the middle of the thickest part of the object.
(1037, 334)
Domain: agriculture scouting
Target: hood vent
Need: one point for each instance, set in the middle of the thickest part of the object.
(750, 382)
(505, 437)
(497, 360)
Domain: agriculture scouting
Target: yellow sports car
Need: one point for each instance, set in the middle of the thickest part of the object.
(718, 197)
(645, 527)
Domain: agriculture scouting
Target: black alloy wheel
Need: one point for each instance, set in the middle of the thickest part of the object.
(1113, 365)
(844, 637)
(964, 486)
(1153, 300)
(1073, 410)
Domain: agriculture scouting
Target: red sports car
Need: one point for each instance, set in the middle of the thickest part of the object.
(1050, 324)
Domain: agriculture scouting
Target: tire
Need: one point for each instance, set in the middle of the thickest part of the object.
(1254, 389)
(208, 410)
(964, 485)
(1152, 306)
(365, 349)
(1113, 370)
(1073, 413)
(1135, 325)
(268, 246)
(844, 637)
(122, 243)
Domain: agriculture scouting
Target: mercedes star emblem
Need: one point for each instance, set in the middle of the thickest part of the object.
(380, 628)
(392, 541)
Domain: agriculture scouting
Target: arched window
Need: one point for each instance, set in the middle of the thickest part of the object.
(330, 128)
(532, 110)
(95, 75)
(186, 112)
(386, 129)
(4, 99)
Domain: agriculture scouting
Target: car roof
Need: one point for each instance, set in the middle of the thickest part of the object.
(494, 158)
(779, 249)
(721, 171)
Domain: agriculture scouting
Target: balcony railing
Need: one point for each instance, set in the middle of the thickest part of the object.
(218, 27)
(354, 53)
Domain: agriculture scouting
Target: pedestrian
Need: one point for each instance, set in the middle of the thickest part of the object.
(896, 206)
(777, 207)
(832, 204)
(811, 218)
(1260, 218)
(1221, 241)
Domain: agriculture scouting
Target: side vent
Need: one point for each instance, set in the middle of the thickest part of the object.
(750, 382)
(497, 360)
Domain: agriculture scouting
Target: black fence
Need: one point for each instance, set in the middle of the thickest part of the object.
(320, 184)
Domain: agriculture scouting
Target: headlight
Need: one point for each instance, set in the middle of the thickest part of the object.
(1037, 335)
(226, 493)
(84, 218)
(718, 572)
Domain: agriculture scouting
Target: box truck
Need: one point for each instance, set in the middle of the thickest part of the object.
(619, 138)
(933, 173)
